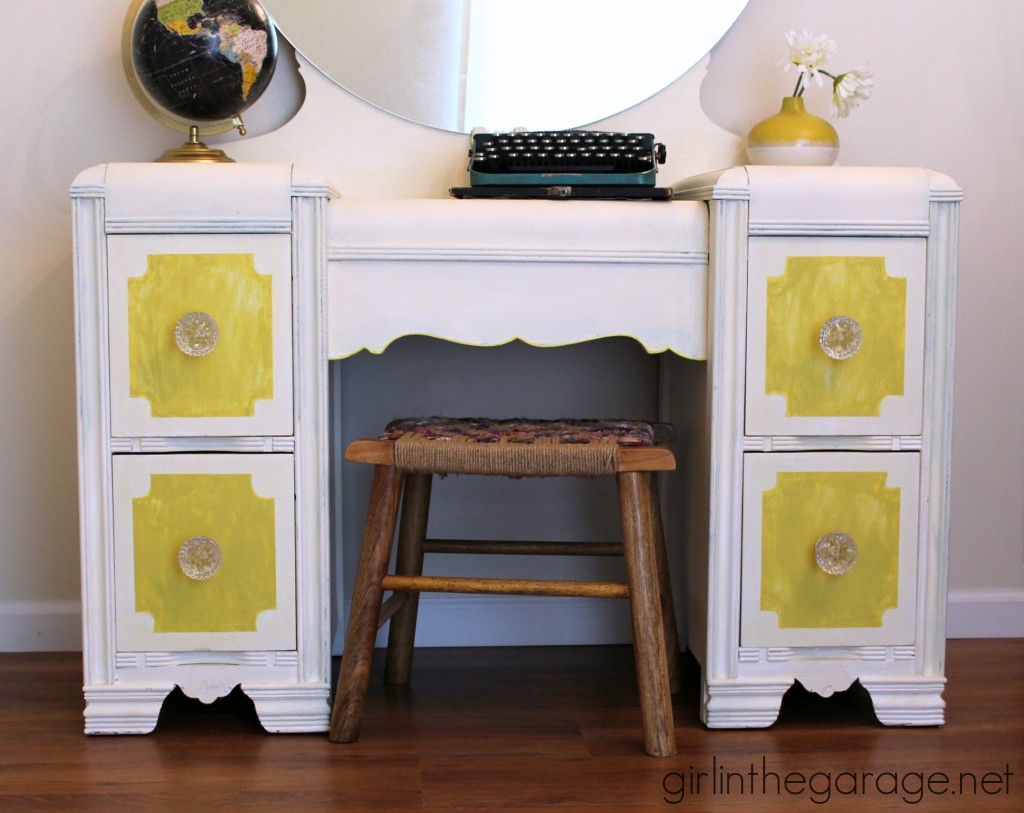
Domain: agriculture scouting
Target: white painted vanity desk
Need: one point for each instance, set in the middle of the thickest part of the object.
(692, 279)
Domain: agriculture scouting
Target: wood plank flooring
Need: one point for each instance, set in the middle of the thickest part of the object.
(519, 730)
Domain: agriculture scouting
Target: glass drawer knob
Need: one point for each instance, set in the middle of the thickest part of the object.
(199, 558)
(835, 553)
(196, 334)
(841, 337)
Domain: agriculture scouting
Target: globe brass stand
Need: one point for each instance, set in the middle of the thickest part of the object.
(194, 151)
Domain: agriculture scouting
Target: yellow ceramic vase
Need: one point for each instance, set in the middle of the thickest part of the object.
(793, 137)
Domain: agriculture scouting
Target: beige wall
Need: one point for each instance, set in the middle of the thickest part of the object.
(947, 97)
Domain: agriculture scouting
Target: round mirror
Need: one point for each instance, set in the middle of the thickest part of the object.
(499, 64)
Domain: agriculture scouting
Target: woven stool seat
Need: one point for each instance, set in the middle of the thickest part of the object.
(407, 455)
(514, 447)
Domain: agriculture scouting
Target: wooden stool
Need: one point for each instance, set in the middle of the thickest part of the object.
(406, 457)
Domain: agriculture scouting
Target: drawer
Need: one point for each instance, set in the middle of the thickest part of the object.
(204, 552)
(835, 335)
(200, 335)
(830, 548)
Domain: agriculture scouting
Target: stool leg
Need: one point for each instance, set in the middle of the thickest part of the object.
(668, 610)
(639, 550)
(411, 532)
(374, 557)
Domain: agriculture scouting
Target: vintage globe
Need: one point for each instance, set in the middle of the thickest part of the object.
(197, 65)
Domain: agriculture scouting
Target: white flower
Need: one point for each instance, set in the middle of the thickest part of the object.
(849, 90)
(807, 53)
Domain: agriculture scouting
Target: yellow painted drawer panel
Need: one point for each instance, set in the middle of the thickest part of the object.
(204, 552)
(830, 548)
(835, 341)
(200, 334)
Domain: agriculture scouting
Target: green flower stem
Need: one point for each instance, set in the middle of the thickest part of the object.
(801, 87)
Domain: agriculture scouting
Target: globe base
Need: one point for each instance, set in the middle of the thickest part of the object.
(194, 151)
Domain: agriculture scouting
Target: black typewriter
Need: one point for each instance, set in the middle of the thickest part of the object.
(564, 163)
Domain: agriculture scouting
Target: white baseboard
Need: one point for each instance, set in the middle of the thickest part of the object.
(458, 620)
(56, 626)
(985, 613)
(515, 621)
(40, 626)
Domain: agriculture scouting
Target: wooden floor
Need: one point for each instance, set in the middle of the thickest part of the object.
(519, 730)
